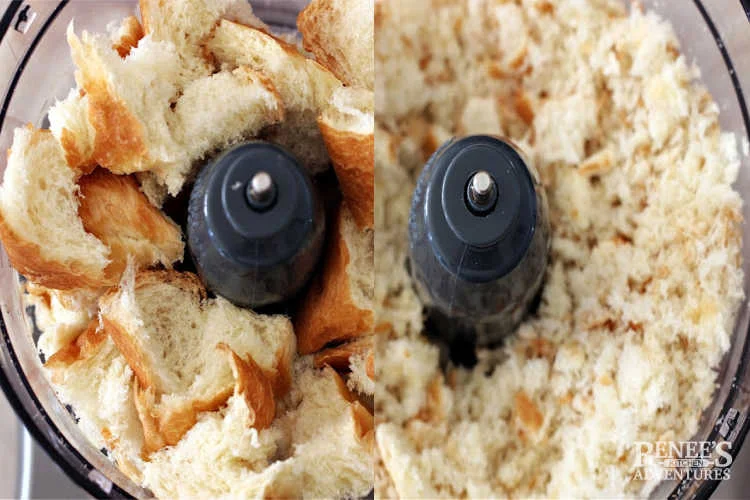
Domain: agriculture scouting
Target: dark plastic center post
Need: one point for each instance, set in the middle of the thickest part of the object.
(255, 225)
(478, 239)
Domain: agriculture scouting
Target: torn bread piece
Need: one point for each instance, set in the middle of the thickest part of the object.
(92, 376)
(128, 99)
(231, 106)
(69, 121)
(114, 210)
(61, 316)
(326, 408)
(39, 224)
(362, 373)
(304, 85)
(187, 23)
(127, 36)
(340, 34)
(348, 127)
(338, 304)
(244, 462)
(355, 357)
(130, 107)
(176, 342)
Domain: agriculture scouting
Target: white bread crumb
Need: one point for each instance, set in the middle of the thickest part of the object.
(644, 277)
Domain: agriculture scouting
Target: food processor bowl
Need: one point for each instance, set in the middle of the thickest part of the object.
(35, 70)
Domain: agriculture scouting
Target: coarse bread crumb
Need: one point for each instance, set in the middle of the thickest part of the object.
(645, 271)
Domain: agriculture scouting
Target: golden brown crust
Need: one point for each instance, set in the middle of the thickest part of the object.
(370, 365)
(114, 209)
(187, 281)
(338, 357)
(353, 157)
(119, 139)
(129, 350)
(131, 34)
(76, 159)
(144, 402)
(124, 339)
(364, 424)
(527, 413)
(254, 387)
(281, 378)
(83, 347)
(307, 24)
(328, 312)
(27, 258)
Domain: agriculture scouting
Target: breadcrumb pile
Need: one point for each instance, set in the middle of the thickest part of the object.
(644, 278)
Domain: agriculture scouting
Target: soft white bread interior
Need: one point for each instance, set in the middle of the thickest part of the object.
(39, 224)
(293, 458)
(68, 118)
(69, 123)
(222, 109)
(128, 99)
(303, 85)
(348, 127)
(340, 34)
(113, 209)
(61, 316)
(183, 349)
(130, 105)
(338, 304)
(93, 377)
(186, 23)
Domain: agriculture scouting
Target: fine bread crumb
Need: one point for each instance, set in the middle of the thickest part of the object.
(645, 271)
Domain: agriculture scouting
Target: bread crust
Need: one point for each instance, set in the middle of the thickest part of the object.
(119, 138)
(113, 208)
(119, 334)
(338, 357)
(328, 312)
(131, 34)
(144, 7)
(27, 258)
(83, 347)
(77, 159)
(255, 388)
(353, 157)
(165, 424)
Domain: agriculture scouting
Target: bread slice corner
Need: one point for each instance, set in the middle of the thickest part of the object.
(338, 304)
(348, 128)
